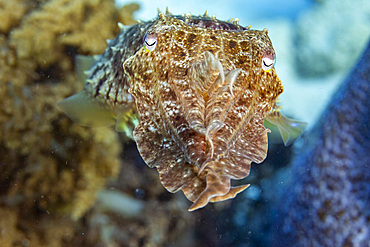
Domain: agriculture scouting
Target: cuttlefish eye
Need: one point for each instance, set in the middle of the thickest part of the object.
(268, 61)
(150, 41)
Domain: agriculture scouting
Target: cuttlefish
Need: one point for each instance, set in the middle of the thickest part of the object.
(193, 92)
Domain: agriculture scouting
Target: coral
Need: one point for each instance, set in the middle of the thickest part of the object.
(331, 35)
(28, 228)
(326, 203)
(51, 169)
(46, 33)
(11, 12)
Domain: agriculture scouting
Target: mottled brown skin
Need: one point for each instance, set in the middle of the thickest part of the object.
(201, 95)
(171, 107)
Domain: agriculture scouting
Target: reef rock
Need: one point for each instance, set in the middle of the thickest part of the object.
(327, 201)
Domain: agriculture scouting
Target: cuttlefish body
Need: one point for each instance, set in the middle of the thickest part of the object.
(198, 91)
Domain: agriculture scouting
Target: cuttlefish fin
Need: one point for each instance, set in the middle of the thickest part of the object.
(83, 67)
(87, 110)
(289, 129)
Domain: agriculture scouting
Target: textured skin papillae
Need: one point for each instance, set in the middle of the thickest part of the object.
(201, 96)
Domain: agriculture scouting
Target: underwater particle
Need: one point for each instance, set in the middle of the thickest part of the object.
(195, 91)
(139, 193)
